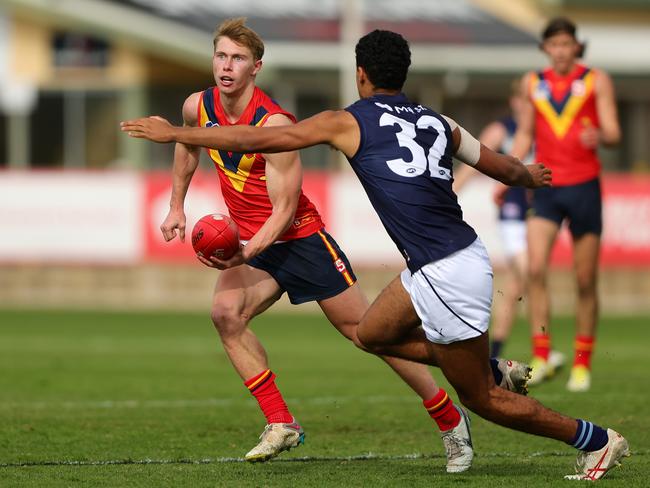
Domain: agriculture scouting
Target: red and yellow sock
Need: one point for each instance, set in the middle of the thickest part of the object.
(541, 346)
(442, 410)
(584, 346)
(263, 388)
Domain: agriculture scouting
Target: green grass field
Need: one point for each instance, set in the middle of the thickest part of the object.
(117, 399)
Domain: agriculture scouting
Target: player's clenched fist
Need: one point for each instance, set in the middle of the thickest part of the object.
(173, 221)
(541, 175)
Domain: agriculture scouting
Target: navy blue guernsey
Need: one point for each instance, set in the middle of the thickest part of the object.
(404, 163)
(515, 201)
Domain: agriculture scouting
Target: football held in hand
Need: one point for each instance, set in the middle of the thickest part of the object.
(215, 235)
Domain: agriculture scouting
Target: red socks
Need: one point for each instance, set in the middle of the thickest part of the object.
(541, 346)
(442, 410)
(584, 346)
(269, 398)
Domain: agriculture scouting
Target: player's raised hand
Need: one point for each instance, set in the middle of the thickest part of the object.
(541, 175)
(153, 128)
(175, 220)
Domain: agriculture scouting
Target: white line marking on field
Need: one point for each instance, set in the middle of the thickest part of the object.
(207, 402)
(215, 402)
(221, 460)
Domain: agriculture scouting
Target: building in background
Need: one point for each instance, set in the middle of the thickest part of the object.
(69, 71)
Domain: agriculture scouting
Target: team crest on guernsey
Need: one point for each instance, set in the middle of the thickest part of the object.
(542, 90)
(578, 88)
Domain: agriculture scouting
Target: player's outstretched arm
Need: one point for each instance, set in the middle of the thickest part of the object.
(283, 183)
(492, 136)
(506, 169)
(329, 127)
(512, 172)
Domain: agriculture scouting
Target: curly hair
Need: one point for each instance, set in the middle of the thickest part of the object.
(385, 57)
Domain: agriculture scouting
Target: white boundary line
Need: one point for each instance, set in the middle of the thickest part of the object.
(226, 460)
(217, 402)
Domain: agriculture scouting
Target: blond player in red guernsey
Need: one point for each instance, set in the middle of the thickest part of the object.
(287, 250)
(570, 111)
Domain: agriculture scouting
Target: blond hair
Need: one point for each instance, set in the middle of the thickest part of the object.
(236, 30)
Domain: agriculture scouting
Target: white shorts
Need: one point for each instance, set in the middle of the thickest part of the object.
(513, 237)
(453, 296)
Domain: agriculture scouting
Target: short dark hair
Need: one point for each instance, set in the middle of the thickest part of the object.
(563, 25)
(558, 25)
(385, 57)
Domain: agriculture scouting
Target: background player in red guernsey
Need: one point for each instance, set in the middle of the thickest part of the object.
(569, 111)
(287, 249)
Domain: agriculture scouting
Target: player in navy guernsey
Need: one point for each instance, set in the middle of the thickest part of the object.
(404, 163)
(436, 311)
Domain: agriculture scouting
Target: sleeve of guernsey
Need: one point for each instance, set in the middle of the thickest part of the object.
(469, 149)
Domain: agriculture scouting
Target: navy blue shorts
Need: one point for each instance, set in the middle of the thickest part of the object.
(311, 268)
(580, 204)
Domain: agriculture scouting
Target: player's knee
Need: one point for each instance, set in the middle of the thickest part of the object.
(368, 340)
(482, 403)
(537, 273)
(227, 319)
(586, 284)
(354, 337)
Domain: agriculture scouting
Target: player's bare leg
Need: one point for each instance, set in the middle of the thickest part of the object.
(242, 293)
(392, 320)
(473, 382)
(476, 388)
(541, 237)
(586, 249)
(345, 311)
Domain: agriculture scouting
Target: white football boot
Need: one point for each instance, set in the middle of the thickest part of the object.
(275, 439)
(458, 444)
(580, 379)
(515, 376)
(593, 465)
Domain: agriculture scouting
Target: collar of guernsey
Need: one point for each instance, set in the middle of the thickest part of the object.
(242, 176)
(565, 106)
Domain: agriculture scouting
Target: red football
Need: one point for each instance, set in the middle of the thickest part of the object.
(215, 235)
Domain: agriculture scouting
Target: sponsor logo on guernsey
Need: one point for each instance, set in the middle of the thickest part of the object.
(298, 223)
(401, 109)
(209, 123)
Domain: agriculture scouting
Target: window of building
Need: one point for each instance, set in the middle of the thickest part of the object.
(74, 50)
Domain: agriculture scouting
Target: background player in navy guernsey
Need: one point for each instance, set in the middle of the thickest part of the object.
(437, 311)
(513, 204)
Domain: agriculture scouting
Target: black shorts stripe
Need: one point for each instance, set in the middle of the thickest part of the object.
(448, 307)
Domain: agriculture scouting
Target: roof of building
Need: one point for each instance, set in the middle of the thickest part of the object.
(442, 21)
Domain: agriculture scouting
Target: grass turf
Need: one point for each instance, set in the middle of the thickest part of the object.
(146, 399)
